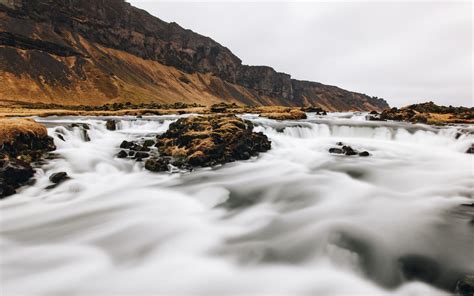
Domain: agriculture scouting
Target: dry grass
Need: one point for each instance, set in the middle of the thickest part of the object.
(437, 118)
(24, 112)
(12, 128)
(291, 115)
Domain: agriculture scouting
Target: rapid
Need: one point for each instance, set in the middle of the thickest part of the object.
(295, 220)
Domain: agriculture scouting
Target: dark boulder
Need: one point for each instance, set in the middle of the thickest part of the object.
(470, 150)
(126, 145)
(59, 177)
(348, 150)
(148, 143)
(16, 172)
(157, 165)
(336, 151)
(141, 155)
(122, 154)
(364, 154)
(6, 189)
(111, 125)
(465, 286)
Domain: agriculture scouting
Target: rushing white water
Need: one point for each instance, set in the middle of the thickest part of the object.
(295, 220)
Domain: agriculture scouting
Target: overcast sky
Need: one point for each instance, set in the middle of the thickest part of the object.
(404, 52)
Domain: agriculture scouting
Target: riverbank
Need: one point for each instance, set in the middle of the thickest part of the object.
(22, 143)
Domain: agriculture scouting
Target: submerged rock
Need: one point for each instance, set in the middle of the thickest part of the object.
(122, 154)
(336, 150)
(465, 286)
(418, 267)
(59, 177)
(347, 150)
(470, 150)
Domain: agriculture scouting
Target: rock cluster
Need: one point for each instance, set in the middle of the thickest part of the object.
(201, 141)
(136, 150)
(429, 113)
(22, 142)
(347, 150)
(317, 110)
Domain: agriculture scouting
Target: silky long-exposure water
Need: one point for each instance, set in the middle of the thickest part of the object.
(295, 220)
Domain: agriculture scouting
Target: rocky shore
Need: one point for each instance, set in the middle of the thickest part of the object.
(199, 141)
(22, 142)
(429, 113)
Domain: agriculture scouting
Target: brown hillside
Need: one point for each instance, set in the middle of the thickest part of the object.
(96, 52)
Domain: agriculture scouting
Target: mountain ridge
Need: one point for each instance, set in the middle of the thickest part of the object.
(73, 45)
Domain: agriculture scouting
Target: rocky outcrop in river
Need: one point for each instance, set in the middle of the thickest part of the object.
(429, 113)
(199, 141)
(22, 142)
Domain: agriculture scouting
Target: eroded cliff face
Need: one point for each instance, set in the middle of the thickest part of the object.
(95, 52)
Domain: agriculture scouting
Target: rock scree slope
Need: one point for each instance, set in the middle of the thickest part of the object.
(94, 52)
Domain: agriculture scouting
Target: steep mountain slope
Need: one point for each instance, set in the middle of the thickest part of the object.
(103, 51)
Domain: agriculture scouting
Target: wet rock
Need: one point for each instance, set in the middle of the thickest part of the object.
(348, 150)
(148, 143)
(131, 153)
(16, 172)
(122, 154)
(6, 189)
(141, 155)
(111, 125)
(60, 137)
(22, 142)
(418, 267)
(336, 151)
(465, 286)
(126, 145)
(84, 128)
(59, 177)
(157, 165)
(81, 125)
(470, 150)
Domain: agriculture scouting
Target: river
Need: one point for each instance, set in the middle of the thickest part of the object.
(295, 220)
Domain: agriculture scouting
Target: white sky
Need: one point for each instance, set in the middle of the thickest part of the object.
(402, 51)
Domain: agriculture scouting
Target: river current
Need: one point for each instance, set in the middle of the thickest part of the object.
(295, 220)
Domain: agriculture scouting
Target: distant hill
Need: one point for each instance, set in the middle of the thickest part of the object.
(104, 51)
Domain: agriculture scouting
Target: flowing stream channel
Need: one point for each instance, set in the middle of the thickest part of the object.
(295, 220)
